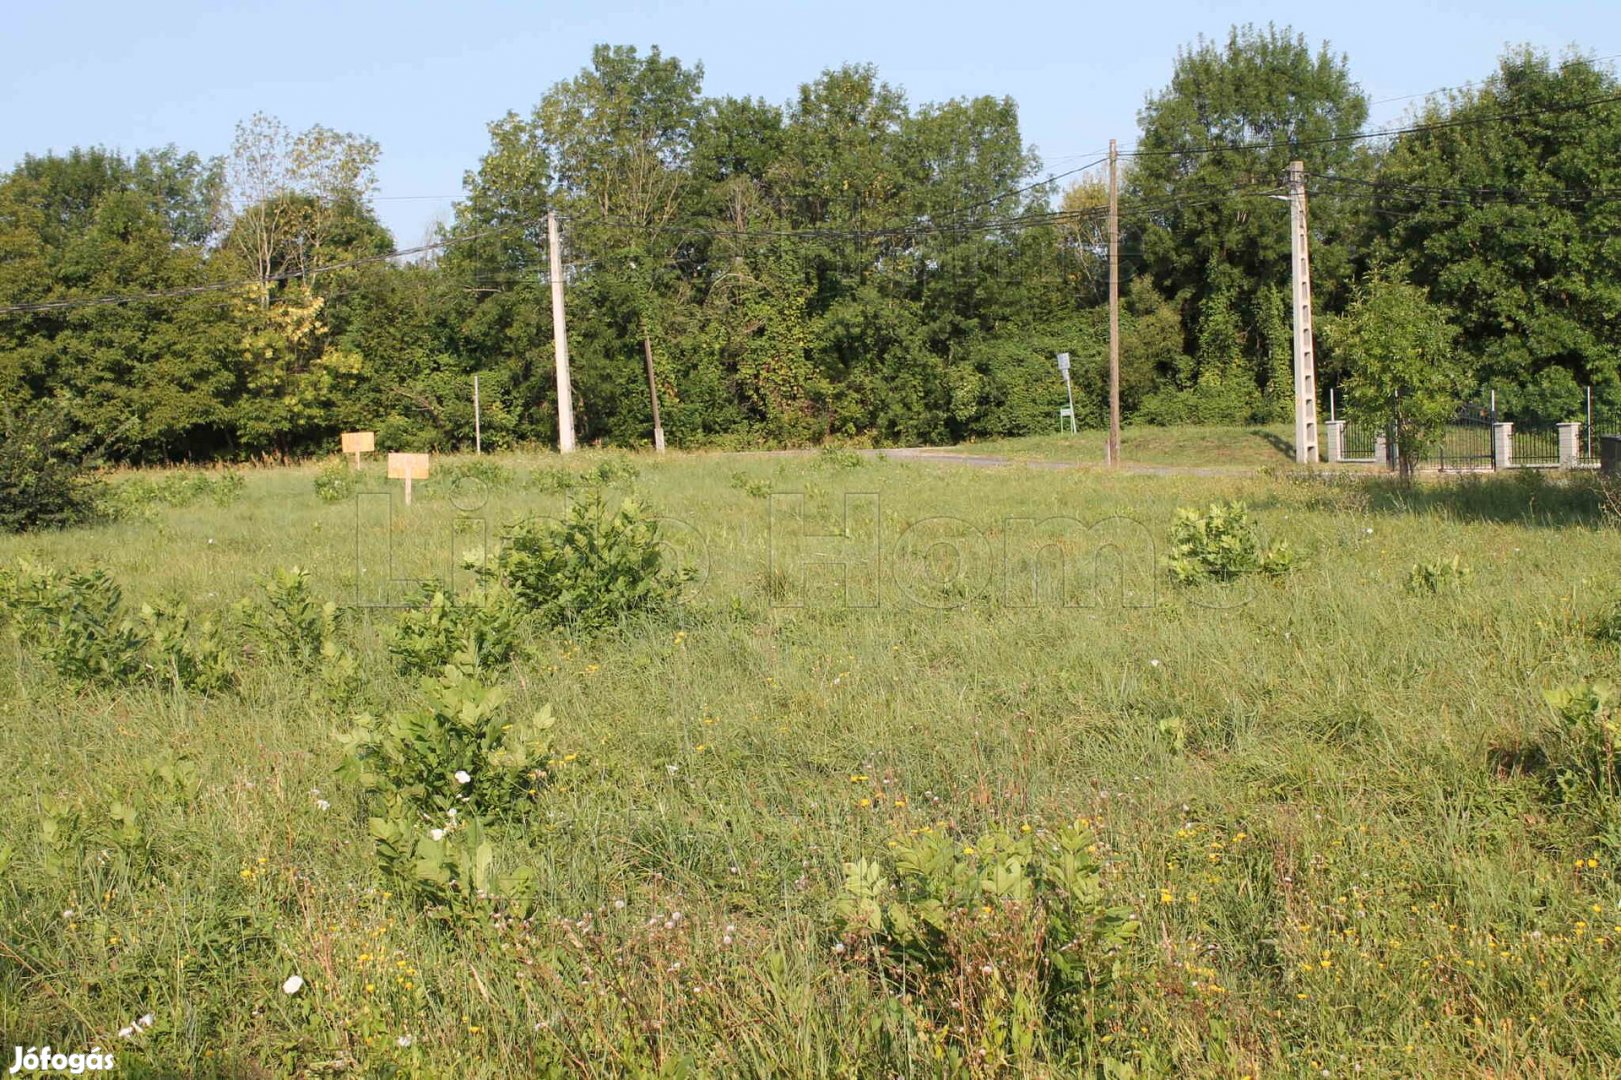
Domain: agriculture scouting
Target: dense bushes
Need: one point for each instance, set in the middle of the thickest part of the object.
(44, 482)
(592, 569)
(1221, 544)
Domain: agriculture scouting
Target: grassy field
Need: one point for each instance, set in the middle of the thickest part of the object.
(1315, 820)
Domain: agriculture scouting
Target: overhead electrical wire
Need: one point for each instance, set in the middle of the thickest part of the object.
(1413, 129)
(944, 226)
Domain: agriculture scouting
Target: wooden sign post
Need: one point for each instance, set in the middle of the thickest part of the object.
(408, 467)
(359, 442)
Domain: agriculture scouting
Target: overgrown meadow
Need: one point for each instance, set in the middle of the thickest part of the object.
(810, 765)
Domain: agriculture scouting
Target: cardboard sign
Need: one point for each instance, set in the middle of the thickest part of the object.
(359, 442)
(408, 466)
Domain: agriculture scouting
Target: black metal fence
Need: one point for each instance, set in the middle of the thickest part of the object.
(1467, 441)
(1360, 439)
(1536, 443)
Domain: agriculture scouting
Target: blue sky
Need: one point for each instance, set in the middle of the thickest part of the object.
(424, 79)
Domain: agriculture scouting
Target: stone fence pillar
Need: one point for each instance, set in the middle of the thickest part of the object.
(1502, 445)
(1570, 454)
(1334, 440)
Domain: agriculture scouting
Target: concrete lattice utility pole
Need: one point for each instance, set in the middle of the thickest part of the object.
(1305, 354)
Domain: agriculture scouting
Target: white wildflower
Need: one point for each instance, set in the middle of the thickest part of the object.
(293, 985)
(463, 777)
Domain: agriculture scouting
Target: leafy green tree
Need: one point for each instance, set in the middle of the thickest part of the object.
(45, 480)
(619, 137)
(1400, 346)
(1214, 143)
(1505, 209)
(288, 195)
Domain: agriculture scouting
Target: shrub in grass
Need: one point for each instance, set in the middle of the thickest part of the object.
(45, 482)
(335, 481)
(1607, 627)
(592, 569)
(193, 659)
(1222, 544)
(611, 471)
(482, 624)
(748, 485)
(287, 619)
(478, 471)
(437, 774)
(1000, 942)
(78, 623)
(1443, 575)
(1581, 746)
(461, 753)
(839, 457)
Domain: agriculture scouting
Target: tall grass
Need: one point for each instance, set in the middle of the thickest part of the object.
(1318, 795)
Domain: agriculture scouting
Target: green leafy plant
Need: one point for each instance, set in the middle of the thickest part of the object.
(839, 457)
(998, 941)
(1581, 745)
(592, 569)
(86, 635)
(482, 624)
(446, 869)
(1222, 544)
(748, 485)
(437, 774)
(287, 619)
(613, 470)
(1607, 625)
(197, 659)
(46, 481)
(139, 496)
(78, 624)
(335, 481)
(479, 470)
(461, 753)
(1442, 575)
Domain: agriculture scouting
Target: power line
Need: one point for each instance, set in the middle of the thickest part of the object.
(1415, 129)
(1552, 196)
(1034, 219)
(1471, 84)
(243, 283)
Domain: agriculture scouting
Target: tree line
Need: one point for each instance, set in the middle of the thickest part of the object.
(843, 265)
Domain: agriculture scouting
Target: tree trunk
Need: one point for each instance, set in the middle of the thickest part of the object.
(652, 389)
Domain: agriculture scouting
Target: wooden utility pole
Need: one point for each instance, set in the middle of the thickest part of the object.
(1305, 360)
(652, 389)
(565, 396)
(1114, 305)
(478, 426)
